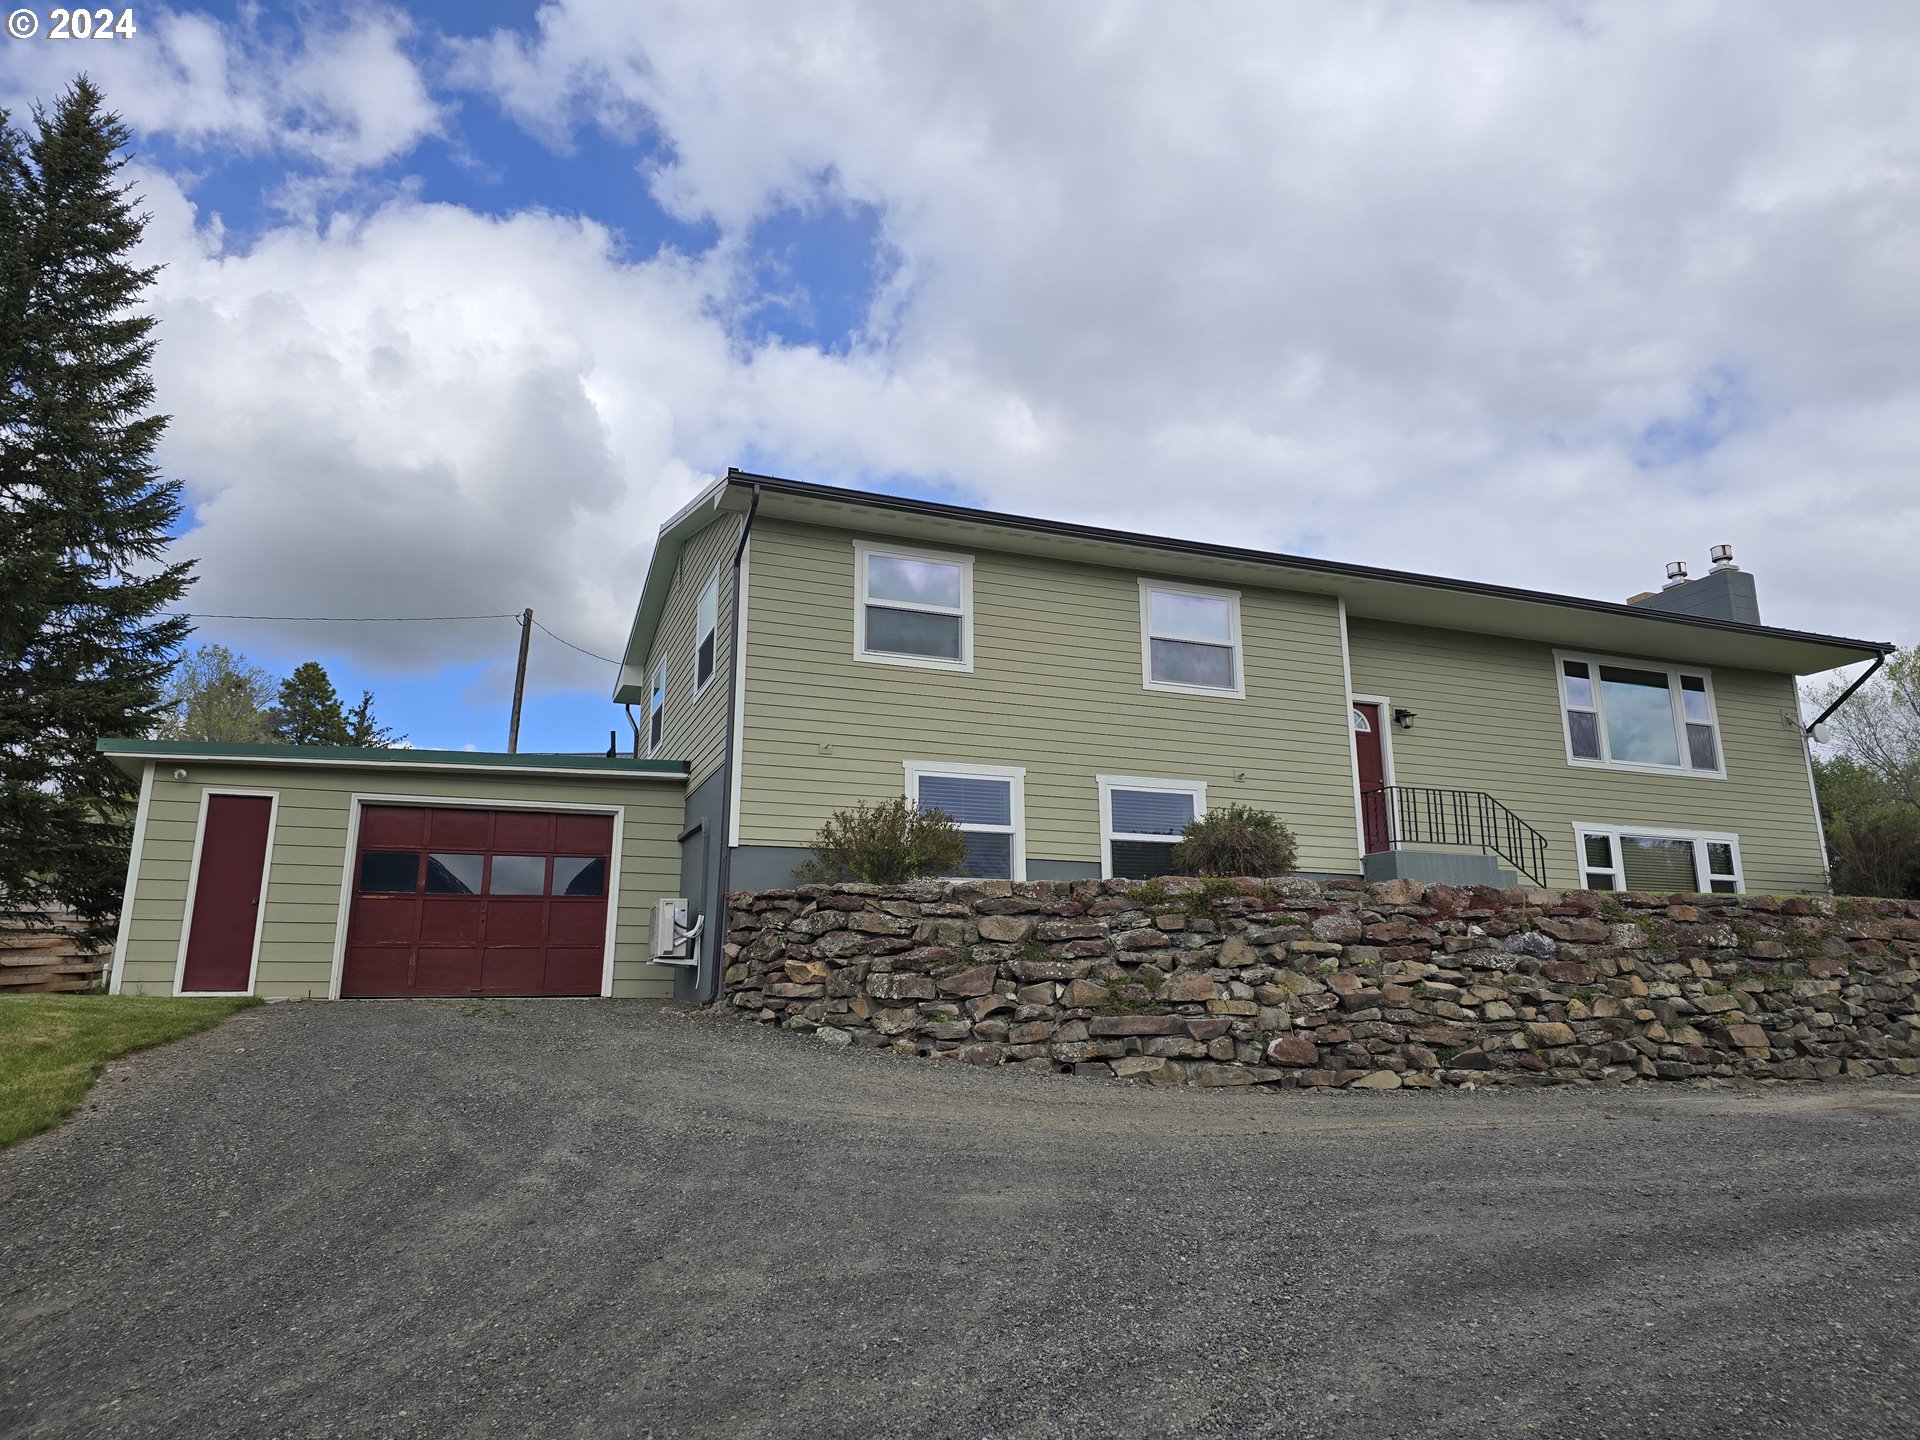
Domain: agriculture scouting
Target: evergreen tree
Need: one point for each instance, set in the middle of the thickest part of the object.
(309, 712)
(364, 730)
(217, 695)
(85, 645)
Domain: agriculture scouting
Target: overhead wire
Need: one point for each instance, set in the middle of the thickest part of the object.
(398, 620)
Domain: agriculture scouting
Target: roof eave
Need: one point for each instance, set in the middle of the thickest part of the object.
(631, 684)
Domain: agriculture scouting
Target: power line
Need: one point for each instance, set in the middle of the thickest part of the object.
(353, 619)
(398, 620)
(571, 646)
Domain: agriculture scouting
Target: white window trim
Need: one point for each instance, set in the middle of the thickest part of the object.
(657, 686)
(193, 888)
(861, 551)
(1110, 783)
(1238, 691)
(1700, 838)
(713, 586)
(1673, 673)
(1017, 792)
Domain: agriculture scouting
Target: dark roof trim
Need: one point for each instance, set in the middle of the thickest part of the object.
(935, 510)
(335, 756)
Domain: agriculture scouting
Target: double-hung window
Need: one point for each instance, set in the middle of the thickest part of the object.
(657, 708)
(706, 633)
(1627, 715)
(1141, 821)
(1190, 640)
(1658, 861)
(987, 802)
(912, 607)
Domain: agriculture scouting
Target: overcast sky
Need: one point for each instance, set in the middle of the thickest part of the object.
(461, 300)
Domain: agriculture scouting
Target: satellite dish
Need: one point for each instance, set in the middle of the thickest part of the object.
(1821, 733)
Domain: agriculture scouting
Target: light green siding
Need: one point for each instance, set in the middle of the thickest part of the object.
(1055, 687)
(696, 726)
(308, 863)
(1489, 719)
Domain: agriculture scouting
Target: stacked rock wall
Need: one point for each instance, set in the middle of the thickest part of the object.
(1291, 983)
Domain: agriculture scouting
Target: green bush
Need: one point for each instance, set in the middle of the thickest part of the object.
(1238, 840)
(884, 844)
(1876, 852)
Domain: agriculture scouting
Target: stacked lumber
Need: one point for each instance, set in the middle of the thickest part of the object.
(49, 958)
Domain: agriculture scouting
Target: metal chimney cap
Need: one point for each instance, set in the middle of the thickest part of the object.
(1676, 573)
(1722, 556)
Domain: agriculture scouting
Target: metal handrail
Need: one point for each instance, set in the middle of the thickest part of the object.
(1424, 815)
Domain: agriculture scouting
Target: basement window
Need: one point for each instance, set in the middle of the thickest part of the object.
(1141, 821)
(1628, 715)
(988, 802)
(913, 607)
(1659, 861)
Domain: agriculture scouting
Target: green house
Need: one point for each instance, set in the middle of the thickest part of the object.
(1073, 696)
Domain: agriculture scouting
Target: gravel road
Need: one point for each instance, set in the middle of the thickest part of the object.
(596, 1218)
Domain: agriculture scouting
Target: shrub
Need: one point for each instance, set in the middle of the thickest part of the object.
(1876, 852)
(884, 844)
(1238, 840)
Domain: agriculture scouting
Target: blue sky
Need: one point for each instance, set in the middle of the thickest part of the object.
(461, 301)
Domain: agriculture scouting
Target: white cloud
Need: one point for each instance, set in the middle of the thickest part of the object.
(345, 95)
(1403, 284)
(1409, 279)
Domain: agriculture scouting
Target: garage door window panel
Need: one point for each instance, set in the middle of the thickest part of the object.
(449, 873)
(579, 875)
(518, 875)
(389, 872)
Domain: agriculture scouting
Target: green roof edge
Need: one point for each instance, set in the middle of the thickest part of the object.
(354, 754)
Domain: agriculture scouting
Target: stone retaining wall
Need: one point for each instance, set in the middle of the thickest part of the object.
(1291, 983)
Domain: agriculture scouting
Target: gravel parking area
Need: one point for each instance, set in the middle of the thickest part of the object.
(578, 1218)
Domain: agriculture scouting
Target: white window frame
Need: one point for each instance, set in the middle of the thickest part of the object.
(1700, 838)
(712, 588)
(1238, 691)
(963, 770)
(1639, 767)
(862, 550)
(657, 710)
(1110, 783)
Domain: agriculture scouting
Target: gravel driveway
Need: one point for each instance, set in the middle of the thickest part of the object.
(615, 1218)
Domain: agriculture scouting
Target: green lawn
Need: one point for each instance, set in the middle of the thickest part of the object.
(53, 1047)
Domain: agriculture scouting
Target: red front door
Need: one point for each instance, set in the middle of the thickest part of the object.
(478, 902)
(1367, 720)
(226, 895)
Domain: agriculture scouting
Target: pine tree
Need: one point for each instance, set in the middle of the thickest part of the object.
(364, 730)
(309, 711)
(85, 645)
(217, 695)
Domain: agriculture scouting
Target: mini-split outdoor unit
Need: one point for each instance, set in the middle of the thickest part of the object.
(674, 941)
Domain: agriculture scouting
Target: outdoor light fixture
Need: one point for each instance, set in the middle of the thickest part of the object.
(1404, 719)
(179, 774)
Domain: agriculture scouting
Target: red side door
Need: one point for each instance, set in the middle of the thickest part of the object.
(227, 893)
(1367, 719)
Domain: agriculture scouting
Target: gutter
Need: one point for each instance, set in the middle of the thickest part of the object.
(1847, 694)
(707, 987)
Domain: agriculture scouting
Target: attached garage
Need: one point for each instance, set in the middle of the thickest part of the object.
(321, 872)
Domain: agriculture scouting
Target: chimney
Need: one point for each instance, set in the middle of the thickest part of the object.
(1724, 593)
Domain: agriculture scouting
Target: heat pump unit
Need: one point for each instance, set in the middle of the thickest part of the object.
(674, 941)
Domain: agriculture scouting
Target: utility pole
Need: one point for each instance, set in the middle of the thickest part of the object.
(519, 682)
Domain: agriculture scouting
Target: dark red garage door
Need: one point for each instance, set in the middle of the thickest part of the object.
(478, 902)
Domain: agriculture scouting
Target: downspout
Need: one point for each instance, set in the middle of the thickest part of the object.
(636, 730)
(1847, 694)
(707, 989)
